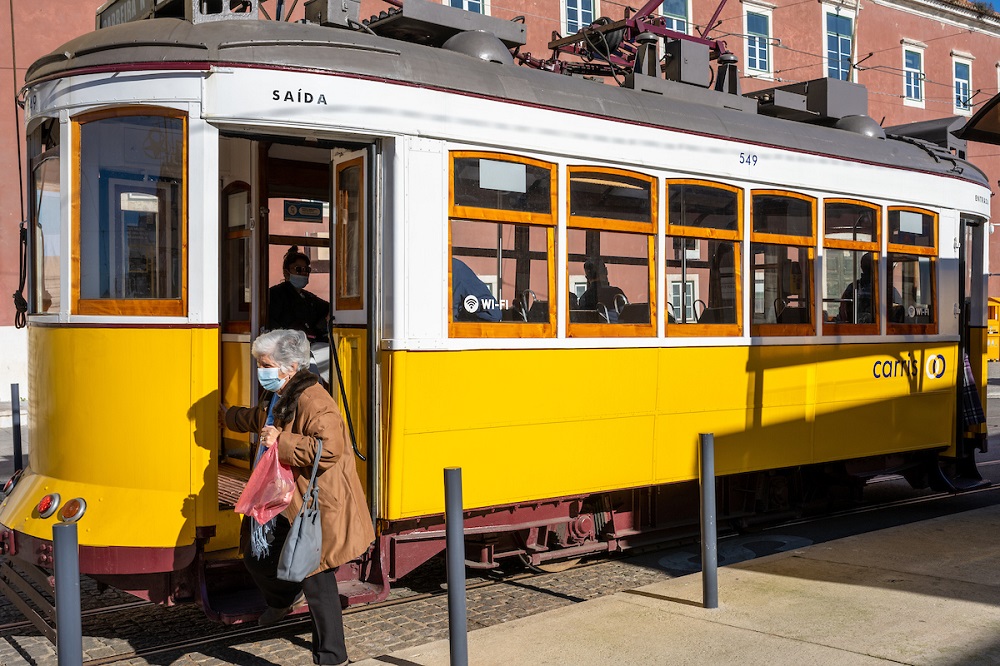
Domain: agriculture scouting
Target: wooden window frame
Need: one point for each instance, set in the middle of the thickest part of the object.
(495, 214)
(873, 246)
(151, 307)
(736, 237)
(504, 329)
(903, 248)
(788, 240)
(609, 330)
(343, 301)
(893, 328)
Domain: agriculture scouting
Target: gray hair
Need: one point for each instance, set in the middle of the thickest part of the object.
(285, 347)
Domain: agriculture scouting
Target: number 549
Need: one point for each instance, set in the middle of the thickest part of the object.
(748, 158)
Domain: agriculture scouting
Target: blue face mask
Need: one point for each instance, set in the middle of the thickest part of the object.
(299, 281)
(268, 379)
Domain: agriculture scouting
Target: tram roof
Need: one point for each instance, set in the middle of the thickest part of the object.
(164, 42)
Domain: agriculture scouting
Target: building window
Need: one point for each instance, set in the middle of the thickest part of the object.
(963, 86)
(850, 267)
(781, 249)
(910, 273)
(758, 30)
(502, 239)
(675, 15)
(130, 231)
(611, 241)
(474, 6)
(704, 223)
(839, 40)
(579, 15)
(913, 75)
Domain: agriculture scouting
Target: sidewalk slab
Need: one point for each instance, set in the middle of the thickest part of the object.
(925, 594)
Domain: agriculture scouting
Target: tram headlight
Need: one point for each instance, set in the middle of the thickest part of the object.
(48, 505)
(73, 510)
(11, 482)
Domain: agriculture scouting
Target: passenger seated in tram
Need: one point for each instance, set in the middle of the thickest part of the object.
(856, 303)
(289, 305)
(862, 289)
(471, 299)
(599, 290)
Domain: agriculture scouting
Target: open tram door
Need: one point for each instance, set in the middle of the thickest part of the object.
(293, 217)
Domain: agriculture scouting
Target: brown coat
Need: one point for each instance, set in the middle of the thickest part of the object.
(347, 525)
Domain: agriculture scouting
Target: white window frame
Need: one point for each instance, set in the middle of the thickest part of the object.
(564, 15)
(919, 48)
(675, 280)
(959, 58)
(847, 11)
(687, 18)
(764, 10)
(485, 4)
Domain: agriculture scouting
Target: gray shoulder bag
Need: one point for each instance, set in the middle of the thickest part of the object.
(300, 555)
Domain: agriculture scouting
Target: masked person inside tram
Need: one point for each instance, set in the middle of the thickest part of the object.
(290, 305)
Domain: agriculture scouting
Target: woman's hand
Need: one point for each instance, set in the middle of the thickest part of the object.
(269, 435)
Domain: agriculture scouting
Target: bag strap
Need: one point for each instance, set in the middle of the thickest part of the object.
(311, 490)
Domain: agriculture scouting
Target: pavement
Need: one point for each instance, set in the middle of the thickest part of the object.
(923, 593)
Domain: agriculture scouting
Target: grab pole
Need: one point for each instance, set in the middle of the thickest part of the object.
(454, 525)
(709, 537)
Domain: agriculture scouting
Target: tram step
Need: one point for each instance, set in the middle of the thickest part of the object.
(234, 606)
(353, 592)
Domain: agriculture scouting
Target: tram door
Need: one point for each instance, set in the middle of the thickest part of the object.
(350, 212)
(293, 227)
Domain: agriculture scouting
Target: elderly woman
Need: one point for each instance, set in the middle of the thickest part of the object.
(297, 414)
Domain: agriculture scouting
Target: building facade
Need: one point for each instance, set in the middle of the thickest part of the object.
(920, 60)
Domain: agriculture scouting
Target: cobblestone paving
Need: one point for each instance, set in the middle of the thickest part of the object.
(370, 632)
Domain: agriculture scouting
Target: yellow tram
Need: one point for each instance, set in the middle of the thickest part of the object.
(652, 261)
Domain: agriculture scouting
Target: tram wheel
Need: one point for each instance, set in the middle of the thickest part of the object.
(551, 566)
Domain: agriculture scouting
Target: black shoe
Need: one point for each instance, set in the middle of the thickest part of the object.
(274, 615)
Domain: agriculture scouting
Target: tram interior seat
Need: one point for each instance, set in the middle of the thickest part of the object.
(721, 315)
(539, 312)
(634, 313)
(586, 317)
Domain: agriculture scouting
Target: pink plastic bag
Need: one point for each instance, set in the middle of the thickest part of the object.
(269, 489)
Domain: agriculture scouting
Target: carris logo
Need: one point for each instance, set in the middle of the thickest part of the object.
(935, 367)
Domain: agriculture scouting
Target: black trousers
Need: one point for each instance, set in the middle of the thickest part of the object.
(328, 644)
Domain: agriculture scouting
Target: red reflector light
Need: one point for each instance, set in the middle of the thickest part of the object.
(48, 505)
(11, 482)
(73, 510)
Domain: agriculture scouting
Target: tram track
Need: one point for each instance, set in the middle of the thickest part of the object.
(294, 625)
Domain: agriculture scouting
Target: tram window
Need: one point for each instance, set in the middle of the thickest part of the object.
(704, 274)
(603, 194)
(46, 229)
(703, 258)
(911, 289)
(783, 215)
(500, 277)
(610, 247)
(501, 183)
(131, 241)
(851, 268)
(781, 250)
(350, 234)
(616, 271)
(236, 257)
(911, 227)
(782, 288)
(910, 271)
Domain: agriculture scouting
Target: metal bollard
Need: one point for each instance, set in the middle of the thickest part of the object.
(709, 537)
(15, 413)
(454, 527)
(69, 631)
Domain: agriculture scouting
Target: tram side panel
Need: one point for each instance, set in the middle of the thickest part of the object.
(138, 450)
(527, 425)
